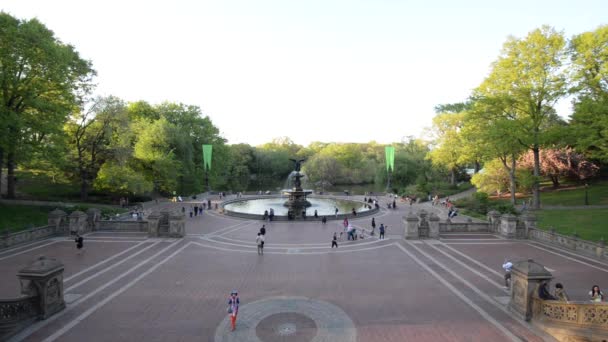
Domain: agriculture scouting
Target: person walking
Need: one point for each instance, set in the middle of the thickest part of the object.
(258, 242)
(336, 211)
(324, 220)
(373, 226)
(381, 229)
(233, 307)
(334, 241)
(195, 210)
(263, 230)
(79, 243)
(507, 266)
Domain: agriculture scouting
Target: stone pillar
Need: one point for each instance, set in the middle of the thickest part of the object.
(600, 250)
(93, 217)
(56, 217)
(530, 222)
(153, 222)
(508, 226)
(433, 226)
(411, 226)
(44, 278)
(494, 219)
(525, 277)
(177, 225)
(78, 222)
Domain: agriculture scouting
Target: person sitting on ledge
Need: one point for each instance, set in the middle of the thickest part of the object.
(560, 293)
(596, 294)
(543, 292)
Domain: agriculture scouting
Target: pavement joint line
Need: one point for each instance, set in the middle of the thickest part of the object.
(497, 240)
(569, 252)
(480, 293)
(41, 324)
(570, 258)
(479, 243)
(329, 250)
(289, 245)
(226, 228)
(110, 267)
(102, 262)
(319, 247)
(25, 245)
(116, 237)
(478, 263)
(114, 294)
(106, 241)
(27, 250)
(234, 229)
(483, 276)
(457, 292)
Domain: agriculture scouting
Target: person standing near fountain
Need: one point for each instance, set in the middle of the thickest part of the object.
(233, 307)
(381, 229)
(373, 226)
(334, 241)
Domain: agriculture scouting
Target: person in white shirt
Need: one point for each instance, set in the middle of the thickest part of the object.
(507, 266)
(259, 241)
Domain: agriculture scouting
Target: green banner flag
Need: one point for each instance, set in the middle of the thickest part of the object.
(207, 156)
(390, 158)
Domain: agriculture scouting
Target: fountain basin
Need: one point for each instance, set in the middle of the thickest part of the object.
(254, 208)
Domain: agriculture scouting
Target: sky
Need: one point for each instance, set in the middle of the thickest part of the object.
(315, 70)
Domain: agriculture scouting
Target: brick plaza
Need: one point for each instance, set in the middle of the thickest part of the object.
(128, 287)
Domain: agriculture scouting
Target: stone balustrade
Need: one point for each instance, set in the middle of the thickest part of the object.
(573, 243)
(16, 314)
(42, 289)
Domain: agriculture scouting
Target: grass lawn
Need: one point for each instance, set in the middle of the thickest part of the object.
(597, 194)
(589, 224)
(18, 217)
(41, 185)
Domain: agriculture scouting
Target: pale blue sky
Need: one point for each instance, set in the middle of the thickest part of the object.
(344, 71)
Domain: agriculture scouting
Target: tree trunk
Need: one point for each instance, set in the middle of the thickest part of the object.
(10, 175)
(84, 186)
(452, 177)
(1, 166)
(512, 185)
(555, 181)
(536, 184)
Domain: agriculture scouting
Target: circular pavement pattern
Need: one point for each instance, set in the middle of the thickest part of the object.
(297, 319)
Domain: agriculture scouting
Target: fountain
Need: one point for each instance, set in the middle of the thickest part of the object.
(297, 196)
(297, 206)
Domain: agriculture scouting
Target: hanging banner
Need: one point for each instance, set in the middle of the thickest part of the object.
(390, 158)
(207, 156)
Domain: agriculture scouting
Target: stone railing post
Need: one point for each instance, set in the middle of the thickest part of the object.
(78, 222)
(525, 277)
(411, 226)
(44, 278)
(530, 222)
(177, 225)
(153, 223)
(434, 226)
(508, 226)
(600, 250)
(93, 217)
(494, 219)
(56, 217)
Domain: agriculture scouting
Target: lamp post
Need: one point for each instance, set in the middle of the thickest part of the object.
(586, 194)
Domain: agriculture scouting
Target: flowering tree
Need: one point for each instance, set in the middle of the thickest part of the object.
(563, 162)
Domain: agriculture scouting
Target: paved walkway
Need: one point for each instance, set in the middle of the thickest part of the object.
(128, 287)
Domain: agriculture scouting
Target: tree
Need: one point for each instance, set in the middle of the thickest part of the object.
(90, 132)
(589, 71)
(563, 162)
(528, 78)
(448, 141)
(323, 170)
(41, 80)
